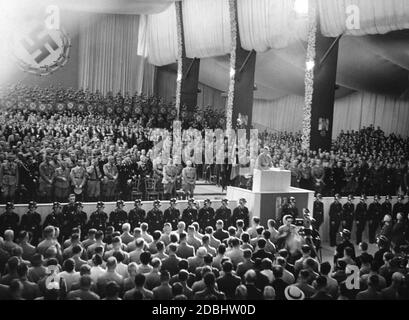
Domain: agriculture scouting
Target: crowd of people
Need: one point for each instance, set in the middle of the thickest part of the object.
(200, 253)
(359, 162)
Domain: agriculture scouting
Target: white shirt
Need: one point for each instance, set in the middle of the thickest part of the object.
(96, 272)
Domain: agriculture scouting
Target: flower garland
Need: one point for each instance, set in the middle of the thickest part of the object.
(309, 74)
(179, 27)
(232, 80)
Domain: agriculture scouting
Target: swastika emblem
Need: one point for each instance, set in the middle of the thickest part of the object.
(40, 50)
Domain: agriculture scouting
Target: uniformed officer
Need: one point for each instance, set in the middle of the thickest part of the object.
(119, 216)
(361, 216)
(98, 219)
(374, 218)
(31, 222)
(335, 212)
(68, 213)
(398, 207)
(223, 213)
(387, 207)
(78, 179)
(347, 217)
(154, 217)
(94, 178)
(263, 161)
(170, 172)
(55, 218)
(9, 177)
(318, 212)
(206, 216)
(62, 182)
(9, 220)
(292, 208)
(137, 215)
(189, 179)
(190, 214)
(110, 179)
(172, 214)
(241, 212)
(47, 174)
(80, 218)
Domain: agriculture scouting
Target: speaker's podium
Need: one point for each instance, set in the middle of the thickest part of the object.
(270, 188)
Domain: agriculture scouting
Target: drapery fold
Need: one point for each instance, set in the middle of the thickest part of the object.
(108, 55)
(351, 113)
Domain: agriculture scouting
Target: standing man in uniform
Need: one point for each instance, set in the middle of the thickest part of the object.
(94, 178)
(206, 215)
(172, 214)
(223, 213)
(78, 179)
(387, 207)
(9, 219)
(119, 216)
(374, 218)
(170, 172)
(62, 182)
(137, 215)
(31, 222)
(335, 212)
(348, 210)
(361, 215)
(110, 179)
(55, 218)
(9, 178)
(47, 174)
(398, 207)
(154, 217)
(190, 214)
(80, 218)
(264, 161)
(241, 212)
(68, 213)
(189, 179)
(318, 212)
(98, 219)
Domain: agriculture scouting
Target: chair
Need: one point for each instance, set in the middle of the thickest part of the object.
(150, 188)
(136, 192)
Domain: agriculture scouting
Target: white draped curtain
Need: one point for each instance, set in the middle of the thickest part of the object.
(375, 16)
(108, 55)
(351, 113)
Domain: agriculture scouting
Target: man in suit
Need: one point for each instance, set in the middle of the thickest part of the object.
(220, 234)
(184, 250)
(228, 282)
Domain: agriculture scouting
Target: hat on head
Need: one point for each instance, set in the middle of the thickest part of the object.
(120, 202)
(292, 199)
(9, 205)
(350, 196)
(32, 204)
(78, 204)
(173, 200)
(191, 200)
(225, 200)
(337, 195)
(388, 197)
(138, 201)
(364, 197)
(56, 204)
(294, 293)
(207, 201)
(377, 197)
(243, 200)
(400, 197)
(100, 204)
(345, 233)
(156, 202)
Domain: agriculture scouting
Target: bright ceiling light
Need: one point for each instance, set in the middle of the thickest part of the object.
(301, 7)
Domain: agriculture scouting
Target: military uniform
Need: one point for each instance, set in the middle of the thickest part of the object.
(62, 183)
(154, 218)
(98, 220)
(240, 213)
(335, 212)
(31, 222)
(386, 208)
(361, 213)
(171, 215)
(117, 218)
(189, 215)
(263, 162)
(68, 220)
(80, 220)
(47, 173)
(9, 220)
(9, 175)
(110, 181)
(374, 220)
(347, 216)
(54, 219)
(94, 177)
(223, 213)
(398, 207)
(318, 214)
(136, 216)
(169, 180)
(206, 217)
(189, 180)
(78, 178)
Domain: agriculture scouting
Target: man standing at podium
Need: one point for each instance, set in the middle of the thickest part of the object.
(264, 161)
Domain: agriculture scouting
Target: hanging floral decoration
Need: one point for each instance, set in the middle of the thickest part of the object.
(232, 79)
(179, 27)
(309, 74)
